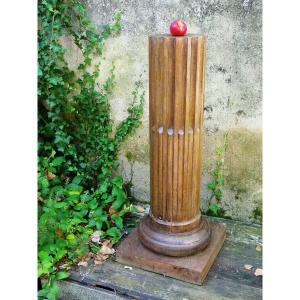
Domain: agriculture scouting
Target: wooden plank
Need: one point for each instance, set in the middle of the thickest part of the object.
(227, 279)
(69, 290)
(241, 232)
(141, 284)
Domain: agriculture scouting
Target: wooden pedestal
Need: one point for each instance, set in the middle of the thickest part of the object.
(193, 268)
(174, 239)
(176, 100)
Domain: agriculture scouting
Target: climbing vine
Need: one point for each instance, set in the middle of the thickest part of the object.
(79, 191)
(217, 179)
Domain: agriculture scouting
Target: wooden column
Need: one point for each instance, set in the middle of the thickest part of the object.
(174, 239)
(174, 226)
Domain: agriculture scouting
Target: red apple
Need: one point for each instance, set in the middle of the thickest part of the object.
(178, 28)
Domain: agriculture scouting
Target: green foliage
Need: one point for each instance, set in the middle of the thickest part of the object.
(78, 144)
(215, 185)
(257, 214)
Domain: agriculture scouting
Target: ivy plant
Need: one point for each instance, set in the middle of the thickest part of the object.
(217, 179)
(79, 190)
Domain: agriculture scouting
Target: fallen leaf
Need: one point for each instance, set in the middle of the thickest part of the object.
(248, 267)
(83, 263)
(59, 232)
(140, 208)
(127, 267)
(258, 248)
(41, 199)
(64, 266)
(111, 211)
(107, 243)
(96, 237)
(50, 175)
(258, 272)
(106, 250)
(88, 256)
(100, 258)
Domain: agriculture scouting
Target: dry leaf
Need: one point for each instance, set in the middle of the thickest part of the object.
(140, 208)
(59, 232)
(106, 250)
(258, 248)
(96, 237)
(258, 272)
(127, 267)
(107, 243)
(111, 211)
(64, 266)
(88, 256)
(248, 267)
(83, 263)
(100, 258)
(50, 175)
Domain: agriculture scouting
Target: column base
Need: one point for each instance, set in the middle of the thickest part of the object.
(193, 268)
(174, 243)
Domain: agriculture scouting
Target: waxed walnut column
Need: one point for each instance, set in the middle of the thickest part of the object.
(174, 226)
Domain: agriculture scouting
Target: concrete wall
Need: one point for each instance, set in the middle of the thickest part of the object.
(233, 100)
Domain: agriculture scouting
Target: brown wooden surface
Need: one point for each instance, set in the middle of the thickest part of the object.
(193, 268)
(176, 89)
(227, 279)
(176, 96)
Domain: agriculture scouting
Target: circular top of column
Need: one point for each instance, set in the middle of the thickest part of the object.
(176, 37)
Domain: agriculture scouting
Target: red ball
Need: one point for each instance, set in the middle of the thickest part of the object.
(178, 28)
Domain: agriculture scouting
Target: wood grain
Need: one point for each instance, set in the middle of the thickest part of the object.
(193, 268)
(176, 96)
(227, 279)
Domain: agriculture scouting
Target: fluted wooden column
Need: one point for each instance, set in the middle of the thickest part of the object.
(174, 226)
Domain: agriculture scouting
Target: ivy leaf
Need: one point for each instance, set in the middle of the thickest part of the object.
(118, 221)
(113, 232)
(219, 151)
(60, 204)
(58, 161)
(214, 208)
(103, 187)
(71, 237)
(73, 199)
(211, 186)
(93, 204)
(116, 28)
(118, 181)
(74, 189)
(77, 179)
(106, 31)
(44, 182)
(220, 180)
(218, 194)
(53, 292)
(91, 223)
(61, 275)
(121, 198)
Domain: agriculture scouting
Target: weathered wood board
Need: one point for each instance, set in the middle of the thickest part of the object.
(227, 279)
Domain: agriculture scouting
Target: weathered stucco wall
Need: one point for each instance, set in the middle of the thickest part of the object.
(233, 87)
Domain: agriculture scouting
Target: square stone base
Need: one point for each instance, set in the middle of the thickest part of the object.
(192, 268)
